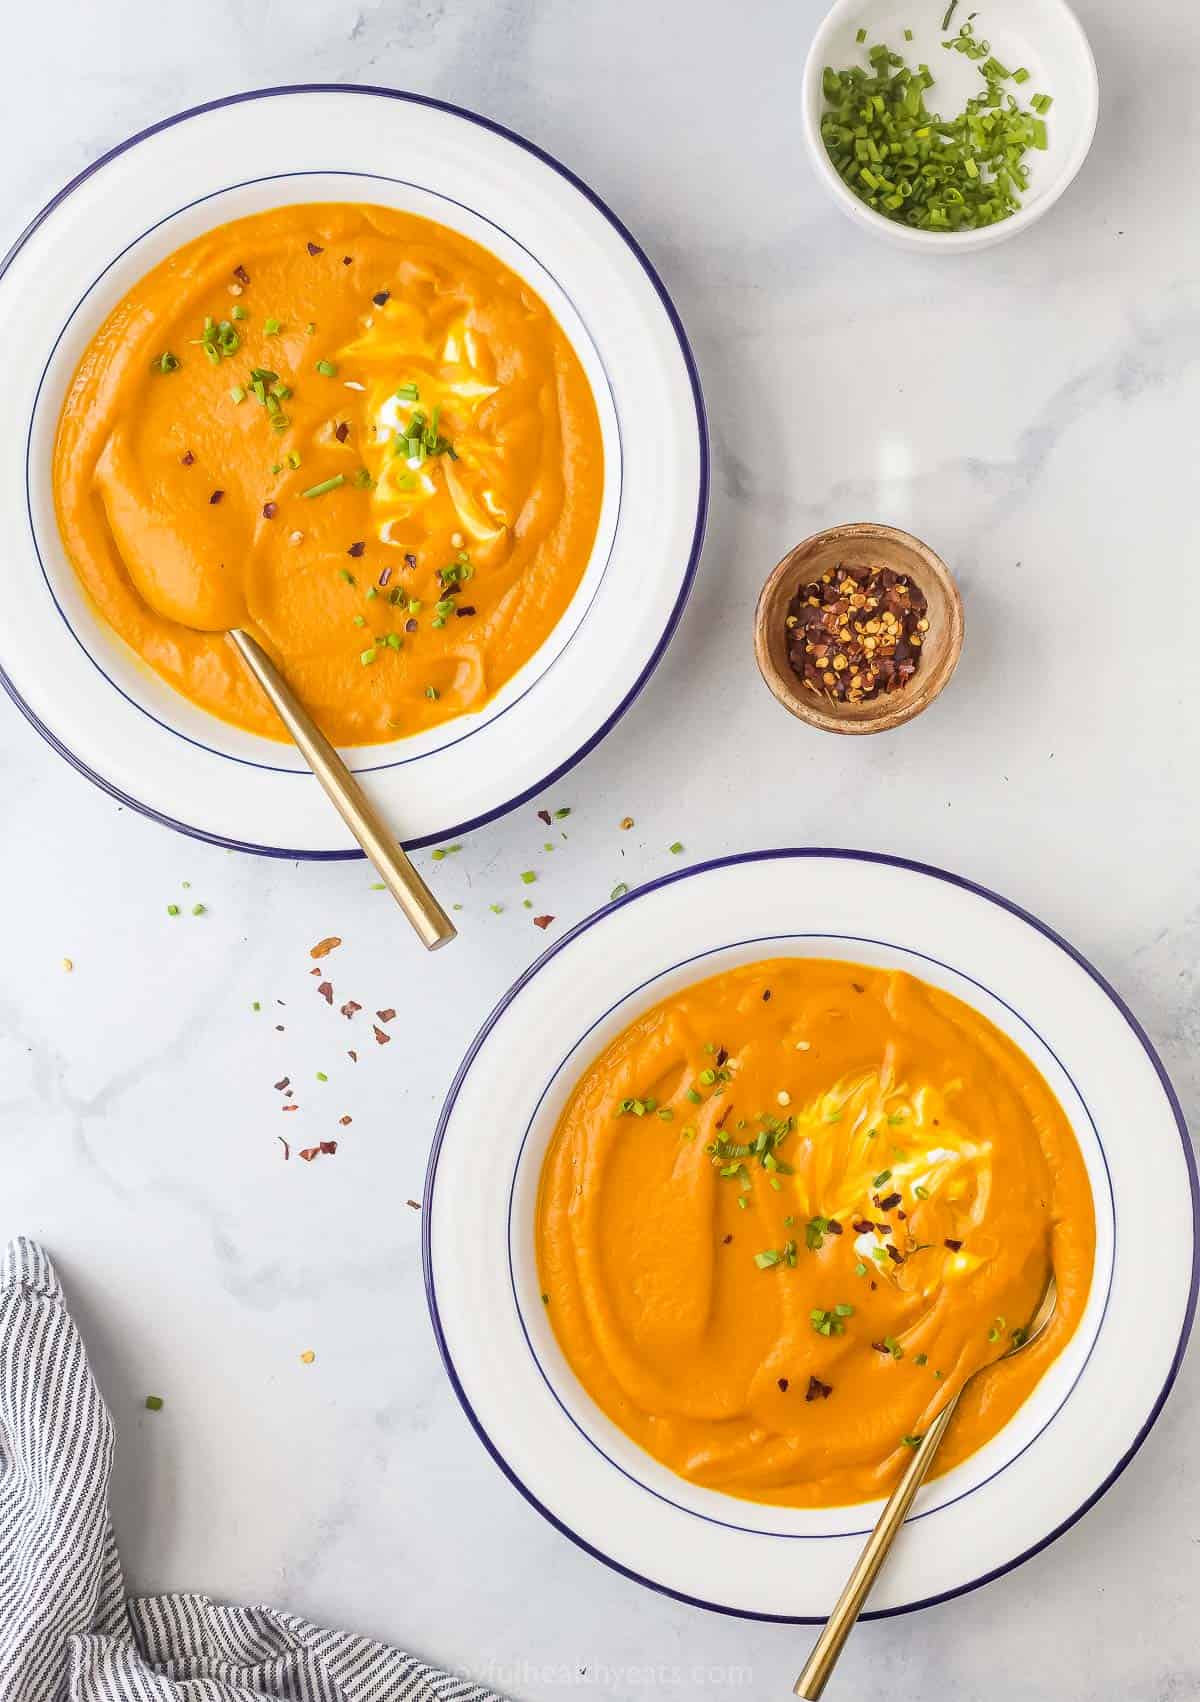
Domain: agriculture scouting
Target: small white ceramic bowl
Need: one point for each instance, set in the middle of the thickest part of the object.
(1043, 35)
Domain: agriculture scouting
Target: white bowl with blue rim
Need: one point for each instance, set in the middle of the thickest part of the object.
(1060, 1451)
(114, 719)
(1043, 36)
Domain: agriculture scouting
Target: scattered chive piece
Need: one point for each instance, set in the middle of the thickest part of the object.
(366, 657)
(327, 368)
(166, 362)
(921, 1359)
(238, 311)
(920, 1192)
(408, 393)
(528, 876)
(310, 330)
(432, 693)
(332, 484)
(154, 1403)
(561, 815)
(676, 848)
(1021, 75)
(860, 1270)
(860, 35)
(878, 1181)
(908, 35)
(256, 1005)
(197, 910)
(321, 1076)
(172, 910)
(911, 1441)
(293, 459)
(271, 327)
(237, 394)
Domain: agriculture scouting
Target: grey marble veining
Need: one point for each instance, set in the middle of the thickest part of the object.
(1032, 412)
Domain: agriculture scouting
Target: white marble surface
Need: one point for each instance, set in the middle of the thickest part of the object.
(1032, 412)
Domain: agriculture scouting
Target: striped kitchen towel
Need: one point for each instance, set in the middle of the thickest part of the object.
(67, 1629)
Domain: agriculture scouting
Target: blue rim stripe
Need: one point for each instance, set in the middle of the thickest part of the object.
(693, 376)
(912, 867)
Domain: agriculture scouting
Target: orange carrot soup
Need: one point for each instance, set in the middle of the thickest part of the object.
(352, 431)
(791, 1209)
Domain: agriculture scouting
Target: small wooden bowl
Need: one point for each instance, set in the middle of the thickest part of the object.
(866, 545)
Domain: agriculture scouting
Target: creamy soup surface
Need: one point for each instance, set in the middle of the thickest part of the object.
(791, 1209)
(352, 431)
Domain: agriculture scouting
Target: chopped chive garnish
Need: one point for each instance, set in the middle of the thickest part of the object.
(408, 393)
(619, 890)
(366, 657)
(528, 876)
(921, 1192)
(860, 35)
(166, 362)
(238, 312)
(172, 910)
(293, 459)
(676, 848)
(154, 1403)
(271, 327)
(237, 394)
(327, 368)
(197, 909)
(325, 485)
(432, 693)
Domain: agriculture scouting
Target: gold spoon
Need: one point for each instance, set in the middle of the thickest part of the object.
(829, 1644)
(179, 583)
(431, 922)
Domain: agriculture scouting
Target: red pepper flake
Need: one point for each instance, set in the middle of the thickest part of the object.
(862, 1226)
(216, 497)
(544, 815)
(349, 1008)
(345, 1121)
(356, 550)
(347, 259)
(308, 1153)
(385, 576)
(857, 631)
(386, 1016)
(723, 1116)
(287, 1151)
(766, 995)
(380, 297)
(342, 430)
(858, 986)
(954, 1246)
(881, 1347)
(722, 1057)
(818, 1391)
(380, 1036)
(542, 921)
(890, 1203)
(833, 1227)
(725, 1240)
(783, 1385)
(353, 1057)
(270, 510)
(410, 626)
(187, 459)
(326, 991)
(325, 946)
(279, 1028)
(314, 248)
(884, 1228)
(415, 1204)
(284, 1081)
(316, 972)
(894, 1254)
(241, 274)
(410, 559)
(465, 610)
(329, 1147)
(289, 1108)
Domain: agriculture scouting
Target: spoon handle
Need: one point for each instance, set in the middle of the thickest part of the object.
(840, 1623)
(432, 924)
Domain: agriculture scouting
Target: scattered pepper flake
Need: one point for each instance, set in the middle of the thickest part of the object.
(326, 991)
(818, 1391)
(542, 921)
(308, 1356)
(379, 1034)
(349, 1008)
(388, 1015)
(544, 816)
(216, 497)
(325, 946)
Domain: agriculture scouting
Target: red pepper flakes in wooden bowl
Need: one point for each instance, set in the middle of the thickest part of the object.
(838, 631)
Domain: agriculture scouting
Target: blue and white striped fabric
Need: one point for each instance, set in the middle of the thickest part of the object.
(67, 1630)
